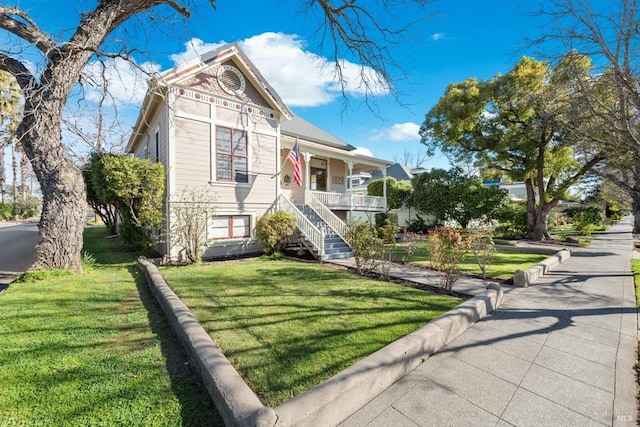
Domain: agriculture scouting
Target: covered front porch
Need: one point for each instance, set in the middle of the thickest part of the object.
(325, 173)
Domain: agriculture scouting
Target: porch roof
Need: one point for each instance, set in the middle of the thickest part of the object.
(317, 142)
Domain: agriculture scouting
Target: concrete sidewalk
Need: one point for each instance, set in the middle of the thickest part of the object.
(561, 352)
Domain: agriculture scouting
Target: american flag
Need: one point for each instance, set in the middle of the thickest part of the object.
(294, 157)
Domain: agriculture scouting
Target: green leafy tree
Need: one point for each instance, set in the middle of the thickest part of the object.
(520, 125)
(92, 175)
(398, 192)
(135, 187)
(451, 195)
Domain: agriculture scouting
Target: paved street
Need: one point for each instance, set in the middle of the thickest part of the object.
(560, 352)
(17, 249)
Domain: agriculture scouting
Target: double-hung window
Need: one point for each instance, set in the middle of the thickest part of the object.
(230, 227)
(231, 155)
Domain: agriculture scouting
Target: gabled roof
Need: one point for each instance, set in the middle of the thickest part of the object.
(230, 51)
(158, 84)
(396, 170)
(299, 127)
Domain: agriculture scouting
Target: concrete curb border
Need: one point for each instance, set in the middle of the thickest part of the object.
(332, 401)
(524, 278)
(236, 402)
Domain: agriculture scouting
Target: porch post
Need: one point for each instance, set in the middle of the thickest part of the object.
(350, 166)
(384, 186)
(306, 181)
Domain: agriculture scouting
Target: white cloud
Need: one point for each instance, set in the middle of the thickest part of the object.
(300, 77)
(127, 82)
(398, 132)
(194, 48)
(437, 36)
(363, 151)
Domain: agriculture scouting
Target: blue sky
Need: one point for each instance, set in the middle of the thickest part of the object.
(459, 39)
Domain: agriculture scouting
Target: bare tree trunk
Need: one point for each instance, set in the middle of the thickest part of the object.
(538, 215)
(3, 174)
(24, 174)
(635, 206)
(14, 169)
(63, 192)
(531, 207)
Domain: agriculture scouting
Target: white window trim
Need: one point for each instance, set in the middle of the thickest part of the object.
(252, 224)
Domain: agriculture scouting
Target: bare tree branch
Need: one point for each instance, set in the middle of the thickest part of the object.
(26, 30)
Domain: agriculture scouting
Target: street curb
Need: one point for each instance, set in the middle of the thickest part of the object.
(524, 278)
(236, 402)
(337, 398)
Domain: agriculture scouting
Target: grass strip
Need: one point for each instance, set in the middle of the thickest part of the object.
(502, 267)
(287, 326)
(635, 266)
(94, 349)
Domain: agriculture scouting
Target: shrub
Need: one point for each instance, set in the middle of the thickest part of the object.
(386, 218)
(585, 218)
(448, 247)
(513, 219)
(419, 225)
(274, 231)
(409, 245)
(482, 249)
(191, 212)
(135, 187)
(387, 233)
(6, 211)
(367, 248)
(26, 207)
(133, 237)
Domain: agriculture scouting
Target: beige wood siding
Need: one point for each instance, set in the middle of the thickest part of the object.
(190, 106)
(337, 176)
(231, 118)
(192, 153)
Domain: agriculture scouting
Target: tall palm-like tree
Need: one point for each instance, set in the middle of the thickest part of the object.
(10, 114)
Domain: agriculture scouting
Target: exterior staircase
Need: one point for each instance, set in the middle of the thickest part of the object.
(334, 246)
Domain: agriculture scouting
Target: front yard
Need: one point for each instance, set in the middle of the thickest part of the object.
(502, 267)
(287, 326)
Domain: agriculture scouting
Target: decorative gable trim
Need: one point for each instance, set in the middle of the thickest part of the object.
(225, 103)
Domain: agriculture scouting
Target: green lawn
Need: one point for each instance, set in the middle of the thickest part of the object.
(561, 233)
(503, 264)
(287, 326)
(94, 350)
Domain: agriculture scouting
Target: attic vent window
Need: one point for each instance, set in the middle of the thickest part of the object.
(231, 80)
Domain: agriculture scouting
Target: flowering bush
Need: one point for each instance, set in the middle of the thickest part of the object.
(448, 246)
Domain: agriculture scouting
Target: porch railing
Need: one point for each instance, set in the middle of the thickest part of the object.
(310, 231)
(325, 213)
(348, 201)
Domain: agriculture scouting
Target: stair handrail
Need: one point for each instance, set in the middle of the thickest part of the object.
(331, 219)
(306, 227)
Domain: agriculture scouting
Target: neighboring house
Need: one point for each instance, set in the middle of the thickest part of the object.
(398, 171)
(216, 124)
(517, 190)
